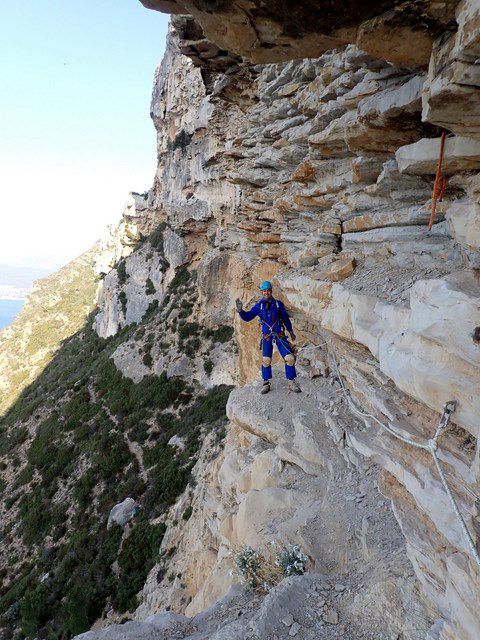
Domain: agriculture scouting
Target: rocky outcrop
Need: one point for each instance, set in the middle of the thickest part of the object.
(290, 30)
(288, 472)
(317, 174)
(288, 152)
(451, 93)
(301, 606)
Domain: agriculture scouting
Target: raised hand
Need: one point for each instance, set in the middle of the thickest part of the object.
(239, 304)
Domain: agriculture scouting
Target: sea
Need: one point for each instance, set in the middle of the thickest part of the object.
(8, 311)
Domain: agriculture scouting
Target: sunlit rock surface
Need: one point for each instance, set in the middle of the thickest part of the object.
(305, 153)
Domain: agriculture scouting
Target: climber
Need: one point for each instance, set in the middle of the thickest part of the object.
(273, 317)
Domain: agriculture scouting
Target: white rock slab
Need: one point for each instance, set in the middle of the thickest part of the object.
(460, 154)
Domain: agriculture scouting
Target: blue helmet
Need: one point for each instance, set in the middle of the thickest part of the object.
(265, 285)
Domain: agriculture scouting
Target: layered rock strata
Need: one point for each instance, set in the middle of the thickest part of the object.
(317, 174)
(284, 30)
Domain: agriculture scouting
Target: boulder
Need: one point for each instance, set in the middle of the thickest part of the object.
(342, 268)
(122, 512)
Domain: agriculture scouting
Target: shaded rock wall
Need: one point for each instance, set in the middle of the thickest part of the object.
(317, 174)
(285, 30)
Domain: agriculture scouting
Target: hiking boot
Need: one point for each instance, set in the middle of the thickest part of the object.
(293, 386)
(265, 387)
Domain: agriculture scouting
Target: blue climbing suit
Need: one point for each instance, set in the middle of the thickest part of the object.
(273, 317)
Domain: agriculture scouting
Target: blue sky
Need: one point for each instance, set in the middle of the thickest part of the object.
(75, 131)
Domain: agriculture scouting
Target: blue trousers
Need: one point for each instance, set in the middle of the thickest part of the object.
(284, 349)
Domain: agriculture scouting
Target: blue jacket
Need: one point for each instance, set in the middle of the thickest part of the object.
(272, 316)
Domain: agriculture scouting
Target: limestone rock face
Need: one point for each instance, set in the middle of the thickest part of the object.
(117, 311)
(422, 156)
(137, 220)
(284, 471)
(464, 221)
(289, 30)
(450, 96)
(316, 173)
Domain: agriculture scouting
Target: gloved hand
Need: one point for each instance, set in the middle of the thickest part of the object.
(293, 336)
(239, 304)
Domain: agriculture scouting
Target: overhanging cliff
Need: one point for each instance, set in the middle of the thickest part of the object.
(300, 148)
(317, 173)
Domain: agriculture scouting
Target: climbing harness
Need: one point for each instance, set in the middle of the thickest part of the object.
(273, 335)
(439, 185)
(430, 445)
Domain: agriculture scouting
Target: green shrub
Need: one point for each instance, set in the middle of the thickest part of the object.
(208, 366)
(139, 433)
(84, 577)
(224, 333)
(147, 359)
(13, 439)
(211, 407)
(150, 339)
(112, 456)
(75, 609)
(42, 448)
(167, 422)
(156, 237)
(84, 486)
(138, 555)
(79, 409)
(151, 310)
(188, 329)
(122, 272)
(24, 477)
(35, 610)
(140, 333)
(167, 483)
(149, 287)
(38, 516)
(186, 309)
(187, 514)
(180, 279)
(122, 296)
(123, 396)
(17, 588)
(191, 347)
(10, 501)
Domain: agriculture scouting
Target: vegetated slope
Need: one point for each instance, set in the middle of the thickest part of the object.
(55, 310)
(80, 439)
